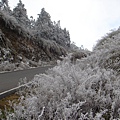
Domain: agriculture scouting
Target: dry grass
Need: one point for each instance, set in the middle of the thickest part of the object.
(5, 101)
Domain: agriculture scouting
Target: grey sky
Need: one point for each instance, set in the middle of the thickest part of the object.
(87, 20)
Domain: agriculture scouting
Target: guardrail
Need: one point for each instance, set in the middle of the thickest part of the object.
(15, 89)
(12, 91)
(7, 93)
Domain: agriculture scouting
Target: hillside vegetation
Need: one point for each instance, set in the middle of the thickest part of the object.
(26, 42)
(89, 89)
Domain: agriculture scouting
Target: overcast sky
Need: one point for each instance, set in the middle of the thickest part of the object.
(86, 20)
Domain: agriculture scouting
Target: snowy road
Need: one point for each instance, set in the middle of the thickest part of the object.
(10, 80)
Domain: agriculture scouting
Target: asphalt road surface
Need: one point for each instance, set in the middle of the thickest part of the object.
(10, 80)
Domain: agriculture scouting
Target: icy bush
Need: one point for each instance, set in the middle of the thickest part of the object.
(107, 50)
(71, 92)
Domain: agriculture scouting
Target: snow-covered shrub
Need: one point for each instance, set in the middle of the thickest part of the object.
(6, 66)
(77, 55)
(70, 92)
(108, 51)
(87, 90)
(109, 41)
(111, 59)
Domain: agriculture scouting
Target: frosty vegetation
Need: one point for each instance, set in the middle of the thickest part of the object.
(37, 40)
(86, 90)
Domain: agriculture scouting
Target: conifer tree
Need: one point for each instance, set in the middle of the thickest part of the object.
(0, 5)
(44, 25)
(32, 23)
(61, 36)
(5, 3)
(20, 13)
(4, 6)
(49, 30)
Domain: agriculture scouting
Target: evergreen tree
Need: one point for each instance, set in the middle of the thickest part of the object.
(7, 10)
(44, 17)
(5, 7)
(45, 28)
(32, 22)
(20, 13)
(44, 25)
(5, 3)
(1, 5)
(61, 36)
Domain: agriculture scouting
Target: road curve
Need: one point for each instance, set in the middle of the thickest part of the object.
(9, 80)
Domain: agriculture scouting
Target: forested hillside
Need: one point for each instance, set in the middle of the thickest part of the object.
(26, 40)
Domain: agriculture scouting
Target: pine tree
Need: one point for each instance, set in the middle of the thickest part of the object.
(20, 13)
(1, 5)
(49, 30)
(32, 23)
(61, 36)
(4, 6)
(44, 25)
(5, 3)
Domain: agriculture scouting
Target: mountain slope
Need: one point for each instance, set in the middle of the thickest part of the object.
(18, 44)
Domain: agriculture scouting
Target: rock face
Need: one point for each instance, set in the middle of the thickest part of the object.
(17, 43)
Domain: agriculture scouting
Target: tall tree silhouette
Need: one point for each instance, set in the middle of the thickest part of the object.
(20, 13)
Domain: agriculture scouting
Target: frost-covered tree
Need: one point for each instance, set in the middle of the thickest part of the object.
(32, 22)
(4, 2)
(20, 13)
(0, 5)
(49, 30)
(44, 17)
(60, 35)
(43, 25)
(5, 7)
